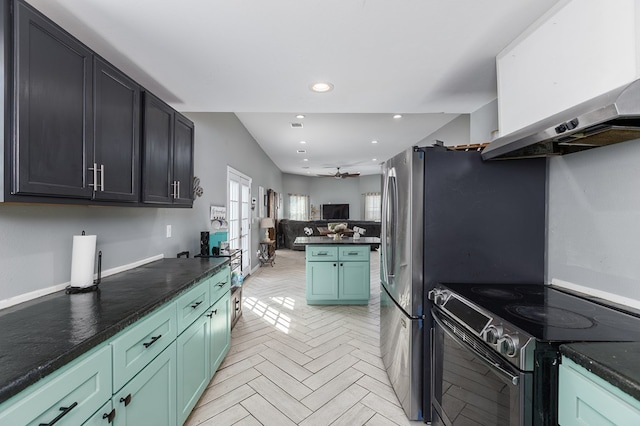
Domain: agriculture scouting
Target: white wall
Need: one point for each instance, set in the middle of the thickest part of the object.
(35, 240)
(594, 221)
(331, 191)
(456, 132)
(483, 123)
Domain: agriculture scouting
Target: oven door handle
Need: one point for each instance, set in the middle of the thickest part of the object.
(506, 374)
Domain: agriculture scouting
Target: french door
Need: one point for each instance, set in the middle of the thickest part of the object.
(239, 215)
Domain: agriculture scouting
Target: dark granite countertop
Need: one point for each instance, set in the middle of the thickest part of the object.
(44, 334)
(331, 241)
(618, 363)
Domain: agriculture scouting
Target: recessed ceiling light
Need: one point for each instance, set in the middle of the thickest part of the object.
(397, 116)
(306, 159)
(300, 116)
(374, 141)
(374, 159)
(322, 87)
(301, 151)
(303, 142)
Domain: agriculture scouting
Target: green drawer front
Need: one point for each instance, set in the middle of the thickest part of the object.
(319, 253)
(141, 343)
(219, 284)
(86, 383)
(192, 305)
(350, 252)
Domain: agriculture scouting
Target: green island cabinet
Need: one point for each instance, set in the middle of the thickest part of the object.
(337, 274)
(151, 373)
(586, 399)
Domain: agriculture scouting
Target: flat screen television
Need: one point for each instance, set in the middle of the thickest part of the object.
(335, 211)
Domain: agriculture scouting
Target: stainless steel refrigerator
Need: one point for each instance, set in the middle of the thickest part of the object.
(447, 216)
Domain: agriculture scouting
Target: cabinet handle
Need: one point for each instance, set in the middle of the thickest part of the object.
(212, 313)
(126, 400)
(221, 284)
(321, 253)
(334, 264)
(174, 190)
(65, 411)
(342, 264)
(102, 177)
(94, 169)
(353, 253)
(153, 340)
(110, 416)
(237, 305)
(195, 305)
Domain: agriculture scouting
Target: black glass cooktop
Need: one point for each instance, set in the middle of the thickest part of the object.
(549, 314)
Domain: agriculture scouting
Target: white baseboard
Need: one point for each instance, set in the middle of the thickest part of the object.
(58, 287)
(620, 300)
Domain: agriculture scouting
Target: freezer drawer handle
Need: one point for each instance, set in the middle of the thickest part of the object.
(65, 411)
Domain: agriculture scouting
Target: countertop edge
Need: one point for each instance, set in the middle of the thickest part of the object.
(576, 353)
(40, 372)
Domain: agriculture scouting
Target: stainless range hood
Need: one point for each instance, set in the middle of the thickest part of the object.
(610, 118)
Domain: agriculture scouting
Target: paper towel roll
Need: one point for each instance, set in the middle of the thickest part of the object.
(83, 259)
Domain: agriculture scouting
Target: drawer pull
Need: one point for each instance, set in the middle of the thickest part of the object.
(237, 305)
(126, 400)
(353, 253)
(110, 416)
(322, 253)
(342, 264)
(153, 340)
(65, 411)
(212, 313)
(221, 284)
(195, 305)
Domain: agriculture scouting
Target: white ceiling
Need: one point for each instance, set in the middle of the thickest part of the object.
(427, 59)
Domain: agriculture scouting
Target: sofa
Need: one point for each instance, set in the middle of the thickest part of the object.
(288, 230)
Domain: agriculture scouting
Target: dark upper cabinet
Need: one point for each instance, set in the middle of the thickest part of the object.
(116, 135)
(53, 114)
(167, 162)
(183, 160)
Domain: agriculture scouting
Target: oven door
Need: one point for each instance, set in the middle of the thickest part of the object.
(471, 384)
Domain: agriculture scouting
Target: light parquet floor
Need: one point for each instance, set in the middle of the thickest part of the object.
(293, 364)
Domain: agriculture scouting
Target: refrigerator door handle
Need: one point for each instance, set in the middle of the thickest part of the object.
(389, 218)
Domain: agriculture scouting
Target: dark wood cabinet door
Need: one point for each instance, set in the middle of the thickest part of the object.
(183, 160)
(53, 145)
(157, 160)
(116, 134)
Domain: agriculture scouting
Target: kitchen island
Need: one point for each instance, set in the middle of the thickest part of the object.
(337, 271)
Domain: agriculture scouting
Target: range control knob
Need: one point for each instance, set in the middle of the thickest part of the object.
(438, 297)
(508, 345)
(492, 334)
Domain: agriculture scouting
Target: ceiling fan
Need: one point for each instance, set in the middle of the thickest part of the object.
(339, 175)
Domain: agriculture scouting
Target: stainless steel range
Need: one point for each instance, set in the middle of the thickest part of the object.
(495, 349)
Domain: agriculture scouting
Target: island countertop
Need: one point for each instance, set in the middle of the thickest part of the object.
(44, 334)
(330, 241)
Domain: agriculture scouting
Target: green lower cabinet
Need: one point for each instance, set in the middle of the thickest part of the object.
(220, 334)
(344, 278)
(322, 281)
(193, 365)
(103, 417)
(150, 397)
(586, 399)
(71, 396)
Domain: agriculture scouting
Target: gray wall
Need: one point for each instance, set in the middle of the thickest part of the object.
(36, 240)
(456, 132)
(594, 219)
(331, 191)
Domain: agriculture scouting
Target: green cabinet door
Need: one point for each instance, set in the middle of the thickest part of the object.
(150, 397)
(354, 281)
(322, 281)
(220, 338)
(105, 416)
(193, 365)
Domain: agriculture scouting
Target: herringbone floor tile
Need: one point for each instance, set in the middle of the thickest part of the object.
(291, 363)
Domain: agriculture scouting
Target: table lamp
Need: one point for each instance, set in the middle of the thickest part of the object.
(267, 223)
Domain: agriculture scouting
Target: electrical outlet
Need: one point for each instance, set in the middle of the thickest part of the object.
(168, 231)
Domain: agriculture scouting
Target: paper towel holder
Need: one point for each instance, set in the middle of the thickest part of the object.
(94, 287)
